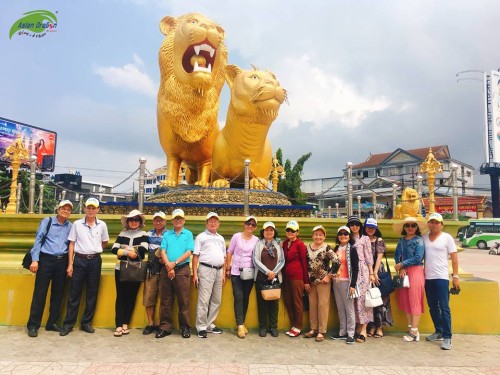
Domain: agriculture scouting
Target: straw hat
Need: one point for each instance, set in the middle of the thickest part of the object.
(133, 213)
(420, 221)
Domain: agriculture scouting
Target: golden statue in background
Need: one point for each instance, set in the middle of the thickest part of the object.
(18, 154)
(193, 59)
(431, 166)
(410, 205)
(256, 97)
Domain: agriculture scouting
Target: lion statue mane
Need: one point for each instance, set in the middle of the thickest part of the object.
(410, 205)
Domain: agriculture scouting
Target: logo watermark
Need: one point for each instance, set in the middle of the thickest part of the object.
(35, 24)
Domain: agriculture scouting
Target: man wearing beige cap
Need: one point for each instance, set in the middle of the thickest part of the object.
(88, 237)
(176, 249)
(49, 262)
(209, 277)
(152, 283)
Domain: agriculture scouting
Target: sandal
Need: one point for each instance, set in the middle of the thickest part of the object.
(319, 338)
(360, 338)
(118, 332)
(370, 333)
(294, 332)
(412, 337)
(126, 331)
(310, 334)
(378, 334)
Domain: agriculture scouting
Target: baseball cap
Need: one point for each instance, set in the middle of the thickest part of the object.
(160, 214)
(292, 224)
(319, 227)
(212, 214)
(353, 219)
(371, 223)
(268, 224)
(177, 213)
(435, 216)
(64, 203)
(344, 227)
(251, 217)
(92, 202)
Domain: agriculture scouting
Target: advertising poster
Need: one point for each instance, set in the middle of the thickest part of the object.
(39, 142)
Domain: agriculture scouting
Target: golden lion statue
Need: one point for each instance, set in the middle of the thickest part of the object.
(256, 97)
(193, 59)
(410, 205)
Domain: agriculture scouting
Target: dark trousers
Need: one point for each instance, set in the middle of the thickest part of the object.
(438, 299)
(126, 294)
(178, 287)
(85, 272)
(267, 310)
(50, 269)
(241, 295)
(292, 293)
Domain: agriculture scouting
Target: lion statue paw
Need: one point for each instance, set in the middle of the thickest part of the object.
(221, 183)
(258, 183)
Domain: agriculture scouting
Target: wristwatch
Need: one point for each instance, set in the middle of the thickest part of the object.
(455, 276)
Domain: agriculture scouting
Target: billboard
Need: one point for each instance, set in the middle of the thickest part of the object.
(39, 142)
(495, 115)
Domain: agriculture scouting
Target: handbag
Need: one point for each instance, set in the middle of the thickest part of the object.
(134, 272)
(401, 282)
(247, 273)
(271, 290)
(386, 285)
(373, 297)
(28, 259)
(356, 293)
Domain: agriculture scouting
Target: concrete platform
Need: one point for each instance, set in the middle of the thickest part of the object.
(101, 353)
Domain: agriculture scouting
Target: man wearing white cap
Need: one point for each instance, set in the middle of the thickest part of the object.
(209, 253)
(88, 237)
(439, 246)
(49, 262)
(152, 283)
(176, 248)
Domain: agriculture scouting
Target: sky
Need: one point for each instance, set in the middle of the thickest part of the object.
(362, 77)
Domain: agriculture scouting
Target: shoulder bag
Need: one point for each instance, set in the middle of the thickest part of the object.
(386, 285)
(271, 290)
(27, 260)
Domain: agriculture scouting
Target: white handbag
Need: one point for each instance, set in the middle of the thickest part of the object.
(373, 297)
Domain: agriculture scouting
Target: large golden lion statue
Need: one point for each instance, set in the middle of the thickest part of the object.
(256, 97)
(410, 205)
(193, 59)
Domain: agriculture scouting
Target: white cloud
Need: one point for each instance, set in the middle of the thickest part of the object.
(322, 98)
(128, 76)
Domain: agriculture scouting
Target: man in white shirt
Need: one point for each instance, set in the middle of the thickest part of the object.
(87, 239)
(209, 253)
(439, 246)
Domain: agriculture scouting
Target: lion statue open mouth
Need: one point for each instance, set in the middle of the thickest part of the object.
(193, 59)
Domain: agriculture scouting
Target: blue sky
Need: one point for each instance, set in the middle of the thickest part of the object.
(362, 77)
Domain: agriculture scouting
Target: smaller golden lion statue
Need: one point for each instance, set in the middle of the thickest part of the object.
(256, 97)
(410, 205)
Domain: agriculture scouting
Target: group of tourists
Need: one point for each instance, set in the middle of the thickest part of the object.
(304, 275)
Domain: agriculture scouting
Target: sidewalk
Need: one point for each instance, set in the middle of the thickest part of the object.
(101, 353)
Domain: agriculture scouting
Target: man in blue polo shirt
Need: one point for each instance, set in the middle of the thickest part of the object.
(50, 260)
(176, 249)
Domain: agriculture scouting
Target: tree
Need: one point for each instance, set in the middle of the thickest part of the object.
(290, 185)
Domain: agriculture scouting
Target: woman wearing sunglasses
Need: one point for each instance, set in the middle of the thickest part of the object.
(344, 284)
(364, 314)
(240, 268)
(408, 259)
(132, 244)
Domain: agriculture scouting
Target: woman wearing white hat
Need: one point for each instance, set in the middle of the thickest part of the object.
(408, 258)
(132, 245)
(240, 268)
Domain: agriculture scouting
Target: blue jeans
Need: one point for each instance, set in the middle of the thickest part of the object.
(438, 299)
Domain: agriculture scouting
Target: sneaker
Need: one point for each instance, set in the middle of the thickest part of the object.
(436, 336)
(215, 329)
(446, 345)
(202, 334)
(349, 340)
(338, 336)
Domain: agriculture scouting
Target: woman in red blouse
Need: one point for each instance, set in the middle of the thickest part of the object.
(295, 277)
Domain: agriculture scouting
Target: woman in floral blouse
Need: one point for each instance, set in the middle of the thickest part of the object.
(319, 259)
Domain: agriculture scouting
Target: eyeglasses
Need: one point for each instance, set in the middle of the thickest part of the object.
(410, 225)
(134, 219)
(288, 230)
(251, 224)
(343, 234)
(354, 224)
